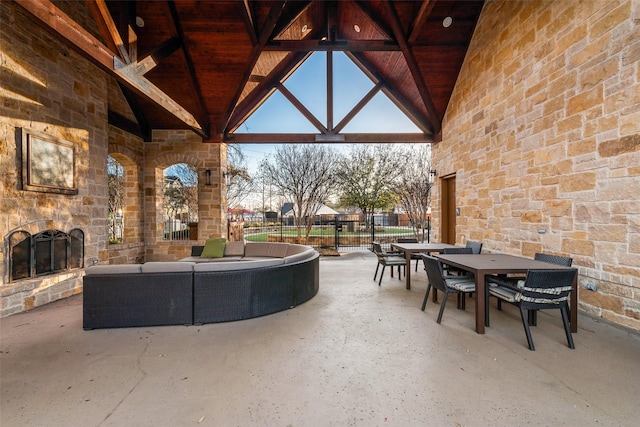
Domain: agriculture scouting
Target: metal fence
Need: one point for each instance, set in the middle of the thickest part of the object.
(338, 232)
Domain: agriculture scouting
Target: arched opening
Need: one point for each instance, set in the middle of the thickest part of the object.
(180, 202)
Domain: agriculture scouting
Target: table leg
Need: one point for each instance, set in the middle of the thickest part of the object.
(481, 305)
(573, 299)
(407, 272)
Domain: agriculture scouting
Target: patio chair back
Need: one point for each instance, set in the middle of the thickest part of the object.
(448, 251)
(554, 259)
(476, 247)
(435, 274)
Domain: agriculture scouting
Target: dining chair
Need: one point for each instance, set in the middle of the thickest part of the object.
(476, 247)
(446, 284)
(385, 259)
(411, 240)
(512, 281)
(540, 290)
(453, 271)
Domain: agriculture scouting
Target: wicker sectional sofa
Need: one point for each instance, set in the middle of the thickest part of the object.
(265, 278)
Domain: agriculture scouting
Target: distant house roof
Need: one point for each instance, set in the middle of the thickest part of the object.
(287, 208)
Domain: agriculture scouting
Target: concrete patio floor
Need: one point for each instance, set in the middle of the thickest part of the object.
(355, 355)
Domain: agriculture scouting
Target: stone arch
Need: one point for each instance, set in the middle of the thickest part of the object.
(133, 217)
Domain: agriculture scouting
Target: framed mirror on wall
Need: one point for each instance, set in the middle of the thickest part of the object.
(48, 163)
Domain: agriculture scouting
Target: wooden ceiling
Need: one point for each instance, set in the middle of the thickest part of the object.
(207, 65)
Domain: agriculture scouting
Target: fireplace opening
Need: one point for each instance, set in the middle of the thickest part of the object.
(48, 252)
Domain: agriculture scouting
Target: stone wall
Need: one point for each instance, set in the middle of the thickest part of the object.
(543, 132)
(176, 146)
(49, 89)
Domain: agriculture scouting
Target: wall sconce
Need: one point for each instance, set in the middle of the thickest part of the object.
(432, 176)
(207, 177)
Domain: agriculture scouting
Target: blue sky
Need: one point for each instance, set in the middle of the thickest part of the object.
(308, 84)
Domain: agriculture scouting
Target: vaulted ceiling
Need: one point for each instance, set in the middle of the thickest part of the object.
(207, 65)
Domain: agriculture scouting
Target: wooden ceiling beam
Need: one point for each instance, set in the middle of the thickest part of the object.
(249, 17)
(265, 34)
(421, 18)
(71, 32)
(375, 18)
(193, 82)
(349, 138)
(423, 123)
(137, 111)
(335, 46)
(264, 88)
(358, 107)
(303, 110)
(416, 73)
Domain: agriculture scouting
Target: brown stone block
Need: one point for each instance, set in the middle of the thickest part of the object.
(531, 216)
(578, 182)
(601, 300)
(615, 147)
(29, 302)
(579, 247)
(556, 208)
(612, 19)
(585, 100)
(529, 249)
(609, 233)
(591, 51)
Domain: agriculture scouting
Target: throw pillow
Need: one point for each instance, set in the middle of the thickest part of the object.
(214, 248)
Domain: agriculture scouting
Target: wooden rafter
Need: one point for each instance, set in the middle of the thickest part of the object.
(327, 45)
(392, 92)
(249, 20)
(62, 25)
(421, 18)
(264, 88)
(355, 138)
(423, 90)
(300, 106)
(265, 34)
(358, 107)
(192, 80)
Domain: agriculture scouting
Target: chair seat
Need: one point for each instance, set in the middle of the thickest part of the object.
(503, 293)
(504, 280)
(393, 260)
(461, 285)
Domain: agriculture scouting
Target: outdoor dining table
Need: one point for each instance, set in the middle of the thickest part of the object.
(482, 264)
(411, 248)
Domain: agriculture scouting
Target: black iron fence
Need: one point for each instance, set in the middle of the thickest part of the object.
(341, 232)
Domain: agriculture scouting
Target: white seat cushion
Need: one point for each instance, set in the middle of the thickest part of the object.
(504, 294)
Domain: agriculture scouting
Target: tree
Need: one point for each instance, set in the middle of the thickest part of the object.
(239, 183)
(366, 177)
(116, 199)
(414, 185)
(304, 175)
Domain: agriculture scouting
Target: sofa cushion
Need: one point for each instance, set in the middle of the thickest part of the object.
(296, 249)
(308, 253)
(236, 265)
(167, 267)
(234, 249)
(214, 248)
(113, 269)
(265, 249)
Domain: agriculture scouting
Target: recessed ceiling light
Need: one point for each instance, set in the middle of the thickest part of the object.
(139, 22)
(446, 22)
(357, 28)
(304, 28)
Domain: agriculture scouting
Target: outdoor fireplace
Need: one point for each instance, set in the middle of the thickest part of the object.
(48, 252)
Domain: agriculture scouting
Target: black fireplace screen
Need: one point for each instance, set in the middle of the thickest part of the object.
(48, 252)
